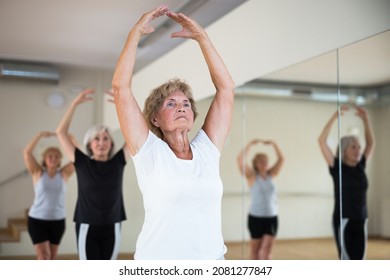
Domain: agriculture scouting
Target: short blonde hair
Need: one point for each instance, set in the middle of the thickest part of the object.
(50, 150)
(156, 98)
(92, 132)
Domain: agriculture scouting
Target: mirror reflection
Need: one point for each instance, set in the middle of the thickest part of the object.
(306, 196)
(365, 89)
(281, 107)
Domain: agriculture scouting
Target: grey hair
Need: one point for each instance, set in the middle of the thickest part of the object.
(344, 144)
(92, 132)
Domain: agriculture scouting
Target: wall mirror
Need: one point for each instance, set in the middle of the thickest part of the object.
(291, 106)
(364, 75)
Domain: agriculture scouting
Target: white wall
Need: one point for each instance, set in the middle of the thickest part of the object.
(260, 37)
(379, 196)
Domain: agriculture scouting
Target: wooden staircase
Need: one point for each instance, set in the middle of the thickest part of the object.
(12, 232)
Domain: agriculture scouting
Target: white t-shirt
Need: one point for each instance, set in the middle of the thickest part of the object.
(182, 201)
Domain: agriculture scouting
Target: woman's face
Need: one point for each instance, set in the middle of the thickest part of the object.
(101, 145)
(175, 113)
(261, 163)
(352, 152)
(52, 159)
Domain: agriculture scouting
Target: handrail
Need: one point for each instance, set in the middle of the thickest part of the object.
(14, 177)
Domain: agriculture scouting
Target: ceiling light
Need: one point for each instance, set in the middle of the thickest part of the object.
(263, 91)
(329, 97)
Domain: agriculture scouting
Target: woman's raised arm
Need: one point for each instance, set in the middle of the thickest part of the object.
(63, 135)
(242, 158)
(131, 119)
(275, 169)
(29, 159)
(368, 133)
(322, 140)
(218, 120)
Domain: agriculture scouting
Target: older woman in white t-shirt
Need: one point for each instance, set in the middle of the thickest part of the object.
(179, 179)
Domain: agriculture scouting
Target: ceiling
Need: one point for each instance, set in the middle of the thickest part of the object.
(362, 69)
(363, 63)
(91, 33)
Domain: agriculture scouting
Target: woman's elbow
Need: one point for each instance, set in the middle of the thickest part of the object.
(321, 140)
(118, 84)
(230, 87)
(120, 91)
(59, 131)
(26, 152)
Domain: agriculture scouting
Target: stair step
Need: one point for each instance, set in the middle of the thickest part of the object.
(12, 232)
(7, 236)
(20, 223)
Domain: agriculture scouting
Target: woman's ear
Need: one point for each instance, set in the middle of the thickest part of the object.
(155, 122)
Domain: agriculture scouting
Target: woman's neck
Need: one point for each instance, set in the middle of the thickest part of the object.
(262, 174)
(51, 171)
(179, 143)
(349, 162)
(100, 158)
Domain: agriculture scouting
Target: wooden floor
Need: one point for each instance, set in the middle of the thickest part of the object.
(305, 249)
(311, 249)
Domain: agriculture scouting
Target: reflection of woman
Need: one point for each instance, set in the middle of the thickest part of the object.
(99, 209)
(352, 227)
(46, 217)
(263, 211)
(179, 179)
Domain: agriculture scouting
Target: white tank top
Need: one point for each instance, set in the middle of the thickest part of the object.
(263, 198)
(49, 201)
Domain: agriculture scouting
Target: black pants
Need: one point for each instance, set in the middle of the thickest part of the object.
(259, 226)
(43, 230)
(98, 242)
(354, 238)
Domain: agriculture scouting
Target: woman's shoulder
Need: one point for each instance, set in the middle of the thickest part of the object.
(201, 138)
(152, 142)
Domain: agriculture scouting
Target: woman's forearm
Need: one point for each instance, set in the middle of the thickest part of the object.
(219, 73)
(369, 137)
(125, 66)
(64, 125)
(326, 130)
(278, 152)
(32, 144)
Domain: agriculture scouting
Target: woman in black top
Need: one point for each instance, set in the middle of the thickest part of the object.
(99, 209)
(350, 228)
